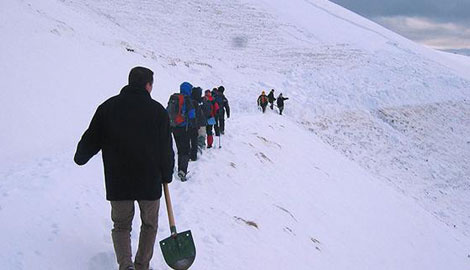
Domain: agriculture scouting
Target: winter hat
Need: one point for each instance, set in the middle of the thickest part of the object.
(221, 89)
(196, 93)
(263, 93)
(207, 92)
(185, 88)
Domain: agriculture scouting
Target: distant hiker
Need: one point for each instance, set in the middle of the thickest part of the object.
(182, 118)
(214, 93)
(133, 133)
(210, 109)
(263, 101)
(201, 121)
(202, 118)
(271, 98)
(280, 103)
(222, 101)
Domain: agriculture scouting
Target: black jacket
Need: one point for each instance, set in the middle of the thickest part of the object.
(133, 132)
(262, 100)
(223, 105)
(280, 101)
(271, 97)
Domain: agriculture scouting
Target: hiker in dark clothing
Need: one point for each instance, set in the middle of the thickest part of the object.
(222, 101)
(201, 121)
(133, 133)
(271, 98)
(210, 108)
(181, 120)
(263, 101)
(280, 103)
(214, 93)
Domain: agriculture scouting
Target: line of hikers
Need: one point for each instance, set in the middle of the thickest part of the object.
(193, 117)
(133, 132)
(263, 101)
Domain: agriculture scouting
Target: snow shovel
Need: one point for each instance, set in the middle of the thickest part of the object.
(178, 250)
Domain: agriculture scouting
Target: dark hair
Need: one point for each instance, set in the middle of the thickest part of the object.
(140, 76)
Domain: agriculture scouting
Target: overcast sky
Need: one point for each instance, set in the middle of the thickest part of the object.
(442, 24)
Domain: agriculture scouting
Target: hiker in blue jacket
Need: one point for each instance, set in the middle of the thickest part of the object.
(182, 118)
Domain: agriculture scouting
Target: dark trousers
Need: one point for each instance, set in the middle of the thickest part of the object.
(221, 124)
(181, 136)
(263, 107)
(281, 109)
(122, 213)
(271, 105)
(216, 126)
(193, 136)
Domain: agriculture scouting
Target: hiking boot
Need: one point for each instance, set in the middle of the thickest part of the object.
(130, 268)
(182, 176)
(223, 132)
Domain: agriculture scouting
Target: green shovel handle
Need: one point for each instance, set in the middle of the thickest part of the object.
(169, 209)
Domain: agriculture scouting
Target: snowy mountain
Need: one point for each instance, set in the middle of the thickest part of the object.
(465, 52)
(367, 169)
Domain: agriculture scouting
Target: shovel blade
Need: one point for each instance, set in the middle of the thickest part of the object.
(178, 250)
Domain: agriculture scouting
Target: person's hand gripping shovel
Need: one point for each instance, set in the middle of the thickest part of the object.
(178, 250)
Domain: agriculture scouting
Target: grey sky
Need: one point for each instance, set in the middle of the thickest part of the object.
(436, 23)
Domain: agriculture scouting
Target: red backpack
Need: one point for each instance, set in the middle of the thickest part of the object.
(175, 109)
(263, 99)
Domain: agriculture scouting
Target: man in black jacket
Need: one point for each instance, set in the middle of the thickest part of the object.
(271, 99)
(280, 103)
(223, 108)
(133, 132)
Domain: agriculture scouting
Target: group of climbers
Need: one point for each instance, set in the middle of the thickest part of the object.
(193, 118)
(133, 132)
(263, 101)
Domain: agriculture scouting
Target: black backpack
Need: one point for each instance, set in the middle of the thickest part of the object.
(201, 120)
(178, 108)
(206, 108)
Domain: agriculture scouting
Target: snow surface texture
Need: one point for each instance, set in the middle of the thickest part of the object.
(368, 169)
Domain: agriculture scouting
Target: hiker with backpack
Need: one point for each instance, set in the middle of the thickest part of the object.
(280, 103)
(201, 121)
(201, 139)
(222, 101)
(132, 131)
(182, 118)
(216, 117)
(214, 92)
(210, 108)
(271, 99)
(263, 101)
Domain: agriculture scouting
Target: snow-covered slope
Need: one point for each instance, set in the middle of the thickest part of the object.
(399, 113)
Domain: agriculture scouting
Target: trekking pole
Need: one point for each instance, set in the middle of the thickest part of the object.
(220, 146)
